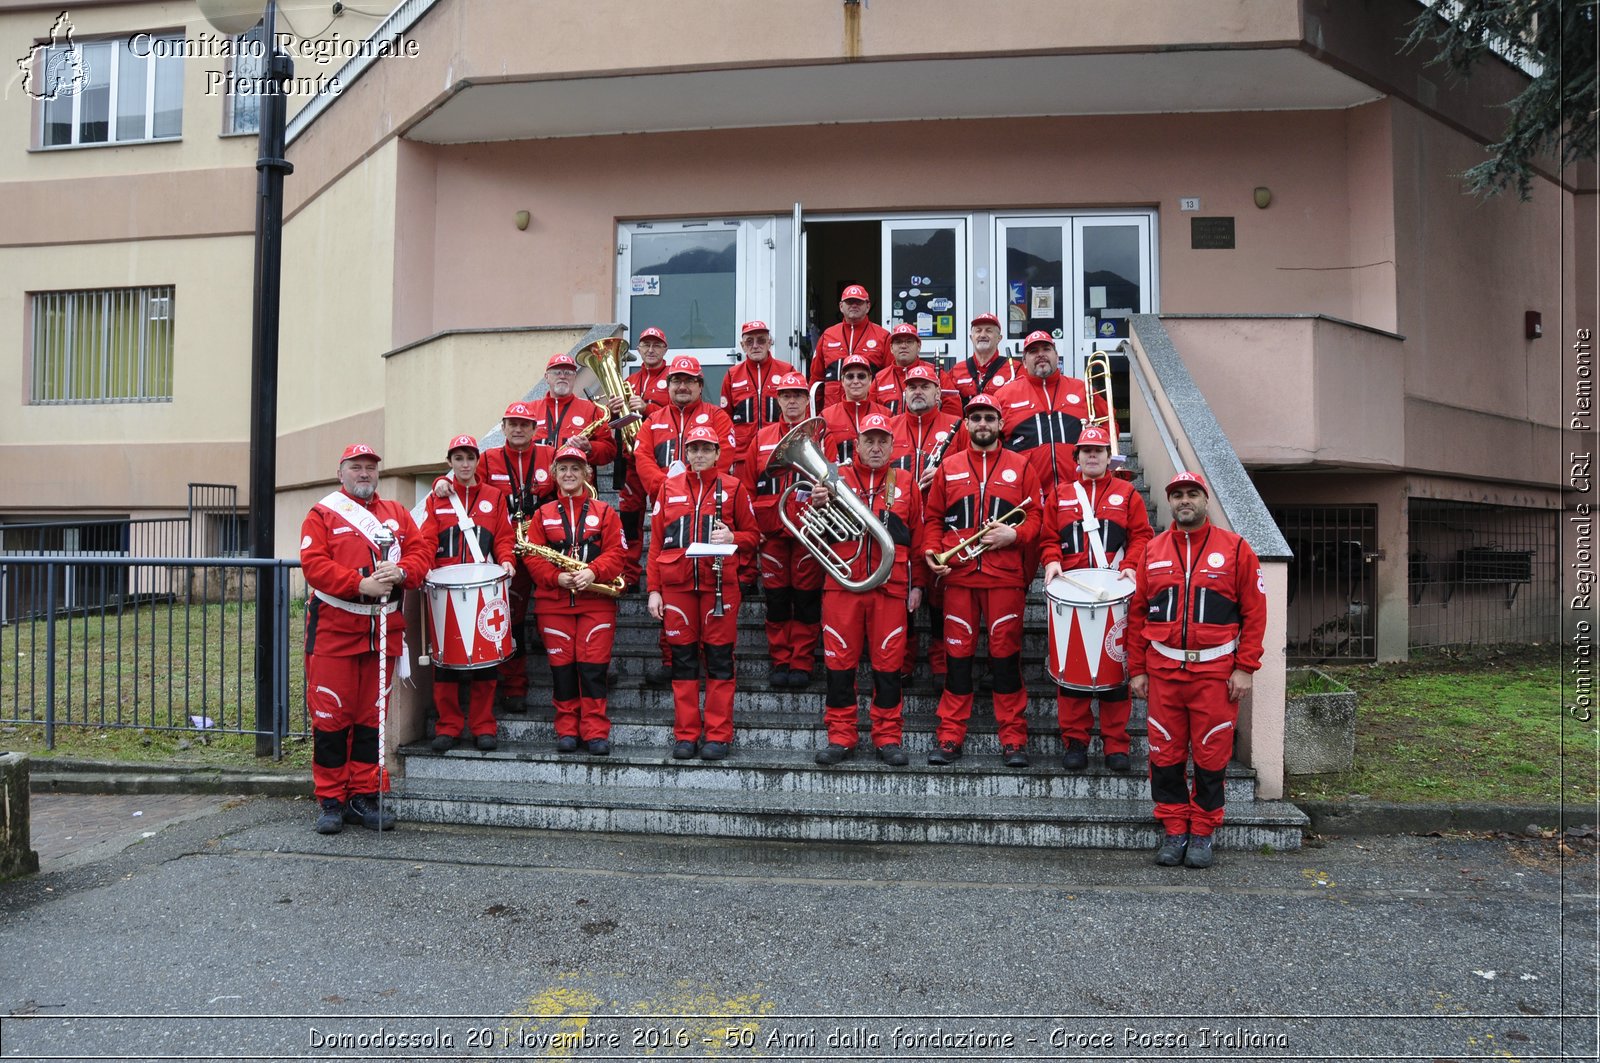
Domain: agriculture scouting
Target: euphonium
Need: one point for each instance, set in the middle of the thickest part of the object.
(971, 548)
(845, 516)
(605, 358)
(571, 564)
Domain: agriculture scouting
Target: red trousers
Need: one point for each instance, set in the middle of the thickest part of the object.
(579, 642)
(792, 582)
(964, 609)
(514, 669)
(933, 606)
(1074, 715)
(631, 505)
(878, 619)
(1189, 714)
(480, 702)
(342, 694)
(692, 633)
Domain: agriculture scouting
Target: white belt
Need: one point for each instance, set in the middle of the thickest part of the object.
(1195, 656)
(358, 608)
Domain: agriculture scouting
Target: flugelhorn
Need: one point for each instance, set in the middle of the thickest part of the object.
(971, 548)
(1097, 377)
(604, 358)
(845, 517)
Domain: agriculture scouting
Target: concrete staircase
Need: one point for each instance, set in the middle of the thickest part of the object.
(770, 787)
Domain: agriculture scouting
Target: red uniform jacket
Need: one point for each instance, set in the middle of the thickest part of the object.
(1194, 591)
(890, 384)
(917, 436)
(901, 514)
(1124, 524)
(564, 418)
(581, 527)
(650, 385)
(749, 399)
(868, 339)
(1042, 418)
(969, 378)
(842, 424)
(661, 440)
(486, 506)
(335, 558)
(685, 509)
(522, 476)
(766, 485)
(969, 490)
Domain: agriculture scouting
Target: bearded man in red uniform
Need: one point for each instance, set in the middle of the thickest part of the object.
(971, 490)
(649, 384)
(469, 528)
(855, 334)
(1044, 411)
(697, 599)
(357, 551)
(924, 435)
(521, 470)
(985, 370)
(659, 452)
(579, 624)
(1100, 522)
(905, 351)
(876, 617)
(842, 421)
(791, 579)
(1195, 624)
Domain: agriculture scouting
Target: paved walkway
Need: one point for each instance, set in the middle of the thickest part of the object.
(72, 829)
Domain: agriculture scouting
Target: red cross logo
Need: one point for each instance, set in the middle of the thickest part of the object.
(494, 622)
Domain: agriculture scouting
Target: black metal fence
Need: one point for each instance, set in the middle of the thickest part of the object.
(1332, 601)
(164, 643)
(1482, 574)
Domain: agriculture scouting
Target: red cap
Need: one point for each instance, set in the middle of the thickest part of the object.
(570, 453)
(1038, 336)
(702, 433)
(791, 382)
(982, 399)
(358, 450)
(652, 334)
(684, 365)
(559, 359)
(921, 371)
(875, 422)
(905, 328)
(986, 319)
(752, 326)
(1093, 435)
(850, 360)
(1187, 477)
(461, 443)
(855, 291)
(519, 411)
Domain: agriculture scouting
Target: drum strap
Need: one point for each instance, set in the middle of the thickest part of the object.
(468, 529)
(1091, 527)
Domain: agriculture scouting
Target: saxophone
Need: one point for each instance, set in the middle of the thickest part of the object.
(563, 562)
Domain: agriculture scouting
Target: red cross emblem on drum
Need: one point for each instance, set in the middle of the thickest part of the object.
(493, 620)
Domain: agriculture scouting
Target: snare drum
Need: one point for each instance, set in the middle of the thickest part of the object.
(1088, 617)
(469, 618)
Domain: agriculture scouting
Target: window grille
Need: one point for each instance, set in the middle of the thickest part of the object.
(244, 90)
(114, 91)
(111, 345)
(1332, 601)
(1480, 574)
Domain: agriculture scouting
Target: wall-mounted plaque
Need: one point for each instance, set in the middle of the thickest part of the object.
(1211, 234)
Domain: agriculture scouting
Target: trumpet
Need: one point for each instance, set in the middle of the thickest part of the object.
(604, 358)
(524, 548)
(971, 548)
(1097, 378)
(845, 516)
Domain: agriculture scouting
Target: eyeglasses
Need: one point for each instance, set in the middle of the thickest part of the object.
(983, 418)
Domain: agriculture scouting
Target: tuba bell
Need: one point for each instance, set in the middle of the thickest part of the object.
(604, 358)
(845, 517)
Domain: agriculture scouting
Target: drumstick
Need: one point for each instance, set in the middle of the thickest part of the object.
(1099, 594)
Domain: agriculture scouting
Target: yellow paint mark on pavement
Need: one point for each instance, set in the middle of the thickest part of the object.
(688, 1020)
(1318, 878)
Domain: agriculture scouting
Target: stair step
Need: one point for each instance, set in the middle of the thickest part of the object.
(919, 700)
(874, 818)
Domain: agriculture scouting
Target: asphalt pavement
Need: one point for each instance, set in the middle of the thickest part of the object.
(228, 929)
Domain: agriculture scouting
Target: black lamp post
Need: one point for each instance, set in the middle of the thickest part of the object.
(232, 17)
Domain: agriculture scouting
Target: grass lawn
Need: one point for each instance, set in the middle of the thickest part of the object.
(1486, 725)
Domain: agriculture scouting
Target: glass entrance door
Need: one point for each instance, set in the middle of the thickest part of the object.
(925, 282)
(1032, 269)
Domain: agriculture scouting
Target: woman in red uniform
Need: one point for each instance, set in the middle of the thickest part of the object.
(579, 623)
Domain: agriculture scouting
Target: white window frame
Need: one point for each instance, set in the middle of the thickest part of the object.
(243, 66)
(152, 359)
(118, 45)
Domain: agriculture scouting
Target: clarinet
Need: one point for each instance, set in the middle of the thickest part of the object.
(716, 562)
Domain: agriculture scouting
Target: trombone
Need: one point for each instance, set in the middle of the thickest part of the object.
(971, 548)
(1097, 379)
